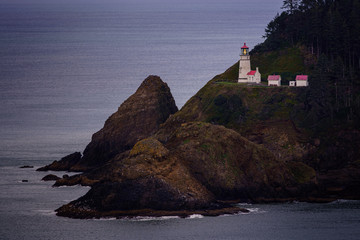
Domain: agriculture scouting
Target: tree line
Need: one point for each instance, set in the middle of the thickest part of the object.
(330, 31)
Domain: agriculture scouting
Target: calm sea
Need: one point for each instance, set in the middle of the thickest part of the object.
(65, 66)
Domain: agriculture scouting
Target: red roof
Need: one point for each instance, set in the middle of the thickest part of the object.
(251, 73)
(244, 46)
(273, 77)
(302, 77)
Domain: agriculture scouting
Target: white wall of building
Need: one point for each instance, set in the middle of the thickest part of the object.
(302, 83)
(257, 77)
(244, 68)
(274, 83)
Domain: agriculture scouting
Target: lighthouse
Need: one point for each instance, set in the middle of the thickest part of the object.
(245, 73)
(244, 64)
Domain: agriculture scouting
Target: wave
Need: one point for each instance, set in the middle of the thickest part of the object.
(254, 211)
(143, 219)
(344, 201)
(243, 204)
(105, 219)
(46, 212)
(193, 216)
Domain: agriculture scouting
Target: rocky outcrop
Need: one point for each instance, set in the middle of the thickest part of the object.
(64, 164)
(50, 177)
(138, 117)
(27, 166)
(149, 178)
(229, 143)
(197, 168)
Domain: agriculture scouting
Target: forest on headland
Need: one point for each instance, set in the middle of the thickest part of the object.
(329, 31)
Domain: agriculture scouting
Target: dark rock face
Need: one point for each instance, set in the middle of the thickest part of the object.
(149, 178)
(229, 165)
(148, 192)
(81, 179)
(197, 166)
(64, 164)
(339, 165)
(138, 117)
(27, 166)
(50, 177)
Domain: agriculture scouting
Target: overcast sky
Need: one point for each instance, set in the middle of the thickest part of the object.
(139, 5)
(134, 1)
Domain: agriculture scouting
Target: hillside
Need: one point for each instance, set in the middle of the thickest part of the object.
(230, 142)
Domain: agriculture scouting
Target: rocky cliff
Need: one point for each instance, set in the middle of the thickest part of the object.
(229, 143)
(138, 117)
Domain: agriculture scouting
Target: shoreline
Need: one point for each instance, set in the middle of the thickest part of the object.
(76, 213)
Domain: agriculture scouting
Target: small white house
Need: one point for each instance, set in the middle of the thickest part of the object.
(274, 80)
(302, 81)
(292, 83)
(254, 76)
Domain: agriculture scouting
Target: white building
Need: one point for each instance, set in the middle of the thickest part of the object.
(302, 81)
(246, 75)
(274, 80)
(254, 76)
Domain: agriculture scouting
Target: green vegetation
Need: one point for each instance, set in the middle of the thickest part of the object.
(324, 27)
(287, 62)
(326, 35)
(230, 75)
(301, 172)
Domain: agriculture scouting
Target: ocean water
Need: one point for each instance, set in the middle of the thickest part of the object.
(65, 66)
(27, 212)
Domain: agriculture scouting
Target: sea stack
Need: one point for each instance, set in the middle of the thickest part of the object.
(137, 117)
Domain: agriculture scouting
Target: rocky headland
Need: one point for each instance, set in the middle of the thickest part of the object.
(229, 143)
(235, 142)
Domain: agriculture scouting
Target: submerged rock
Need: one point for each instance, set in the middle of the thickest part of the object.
(50, 177)
(27, 166)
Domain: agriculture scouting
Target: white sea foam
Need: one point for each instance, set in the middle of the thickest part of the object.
(341, 201)
(193, 216)
(255, 210)
(244, 204)
(143, 219)
(46, 212)
(105, 219)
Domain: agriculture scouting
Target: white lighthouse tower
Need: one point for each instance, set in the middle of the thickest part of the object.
(245, 73)
(244, 64)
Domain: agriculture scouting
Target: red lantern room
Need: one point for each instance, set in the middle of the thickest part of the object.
(245, 50)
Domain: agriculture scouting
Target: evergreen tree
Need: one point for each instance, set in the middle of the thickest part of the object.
(325, 26)
(330, 30)
(291, 5)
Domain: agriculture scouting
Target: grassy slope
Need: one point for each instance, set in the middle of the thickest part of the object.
(287, 62)
(264, 115)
